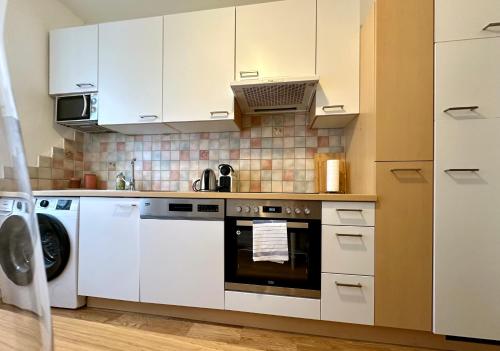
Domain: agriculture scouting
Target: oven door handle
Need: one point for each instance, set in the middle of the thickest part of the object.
(292, 225)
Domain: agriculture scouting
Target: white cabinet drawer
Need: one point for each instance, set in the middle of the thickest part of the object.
(347, 298)
(348, 250)
(468, 78)
(465, 19)
(349, 213)
(286, 306)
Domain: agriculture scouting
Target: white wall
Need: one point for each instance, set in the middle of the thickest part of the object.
(26, 35)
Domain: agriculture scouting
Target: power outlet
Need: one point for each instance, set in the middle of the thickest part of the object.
(277, 132)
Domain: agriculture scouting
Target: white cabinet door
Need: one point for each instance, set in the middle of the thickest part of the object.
(109, 249)
(466, 229)
(131, 71)
(182, 262)
(466, 19)
(347, 298)
(199, 66)
(276, 39)
(73, 60)
(338, 57)
(468, 79)
(348, 250)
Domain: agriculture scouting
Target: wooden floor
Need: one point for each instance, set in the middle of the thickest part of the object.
(102, 330)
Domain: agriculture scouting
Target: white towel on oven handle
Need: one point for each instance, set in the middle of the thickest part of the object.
(270, 241)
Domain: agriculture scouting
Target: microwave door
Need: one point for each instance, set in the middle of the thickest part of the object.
(72, 108)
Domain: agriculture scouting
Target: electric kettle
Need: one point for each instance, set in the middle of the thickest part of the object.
(207, 182)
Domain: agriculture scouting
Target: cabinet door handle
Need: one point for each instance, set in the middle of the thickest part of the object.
(473, 170)
(349, 235)
(126, 205)
(349, 210)
(492, 24)
(249, 74)
(219, 114)
(460, 108)
(358, 285)
(85, 85)
(394, 170)
(84, 112)
(333, 107)
(148, 116)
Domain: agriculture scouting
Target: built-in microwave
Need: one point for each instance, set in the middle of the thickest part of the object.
(77, 111)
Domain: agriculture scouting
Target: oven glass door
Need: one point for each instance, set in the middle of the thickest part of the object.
(301, 271)
(73, 108)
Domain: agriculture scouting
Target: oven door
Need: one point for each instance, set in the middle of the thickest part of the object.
(73, 108)
(299, 276)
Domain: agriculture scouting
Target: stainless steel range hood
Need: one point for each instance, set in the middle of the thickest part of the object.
(275, 95)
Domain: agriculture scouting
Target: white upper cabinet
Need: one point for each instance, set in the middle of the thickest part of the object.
(338, 59)
(73, 60)
(466, 19)
(198, 70)
(131, 71)
(276, 39)
(467, 79)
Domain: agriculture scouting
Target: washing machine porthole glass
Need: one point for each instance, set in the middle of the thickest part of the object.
(16, 250)
(55, 245)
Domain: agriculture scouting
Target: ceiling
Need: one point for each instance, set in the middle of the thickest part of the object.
(96, 11)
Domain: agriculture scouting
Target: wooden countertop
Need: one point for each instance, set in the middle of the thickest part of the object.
(207, 195)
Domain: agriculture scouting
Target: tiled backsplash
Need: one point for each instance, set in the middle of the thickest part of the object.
(270, 154)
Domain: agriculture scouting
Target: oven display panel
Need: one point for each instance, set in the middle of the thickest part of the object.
(271, 209)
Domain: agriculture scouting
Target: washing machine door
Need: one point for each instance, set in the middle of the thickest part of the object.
(16, 250)
(55, 245)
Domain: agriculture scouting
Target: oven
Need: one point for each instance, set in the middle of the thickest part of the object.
(300, 275)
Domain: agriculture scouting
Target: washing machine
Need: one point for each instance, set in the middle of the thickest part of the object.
(16, 254)
(58, 220)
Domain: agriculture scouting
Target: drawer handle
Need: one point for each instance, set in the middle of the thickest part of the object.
(85, 85)
(348, 285)
(249, 74)
(148, 116)
(349, 210)
(406, 170)
(461, 108)
(126, 205)
(219, 114)
(349, 235)
(473, 170)
(331, 107)
(492, 24)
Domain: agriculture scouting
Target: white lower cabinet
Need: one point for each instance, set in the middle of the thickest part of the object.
(348, 250)
(285, 306)
(182, 262)
(108, 248)
(348, 213)
(347, 298)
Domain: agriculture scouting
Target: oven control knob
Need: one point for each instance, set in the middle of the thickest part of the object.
(238, 208)
(247, 209)
(298, 211)
(255, 209)
(307, 211)
(288, 210)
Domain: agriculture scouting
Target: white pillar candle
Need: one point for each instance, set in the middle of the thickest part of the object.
(332, 175)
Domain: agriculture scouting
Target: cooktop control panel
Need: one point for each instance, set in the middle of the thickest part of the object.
(274, 209)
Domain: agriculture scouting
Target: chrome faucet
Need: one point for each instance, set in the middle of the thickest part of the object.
(132, 181)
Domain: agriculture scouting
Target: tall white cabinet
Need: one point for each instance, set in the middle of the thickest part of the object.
(198, 70)
(131, 73)
(467, 170)
(73, 60)
(276, 39)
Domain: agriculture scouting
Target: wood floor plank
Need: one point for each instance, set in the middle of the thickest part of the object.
(102, 330)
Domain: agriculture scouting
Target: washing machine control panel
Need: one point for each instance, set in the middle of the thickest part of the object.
(54, 204)
(6, 205)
